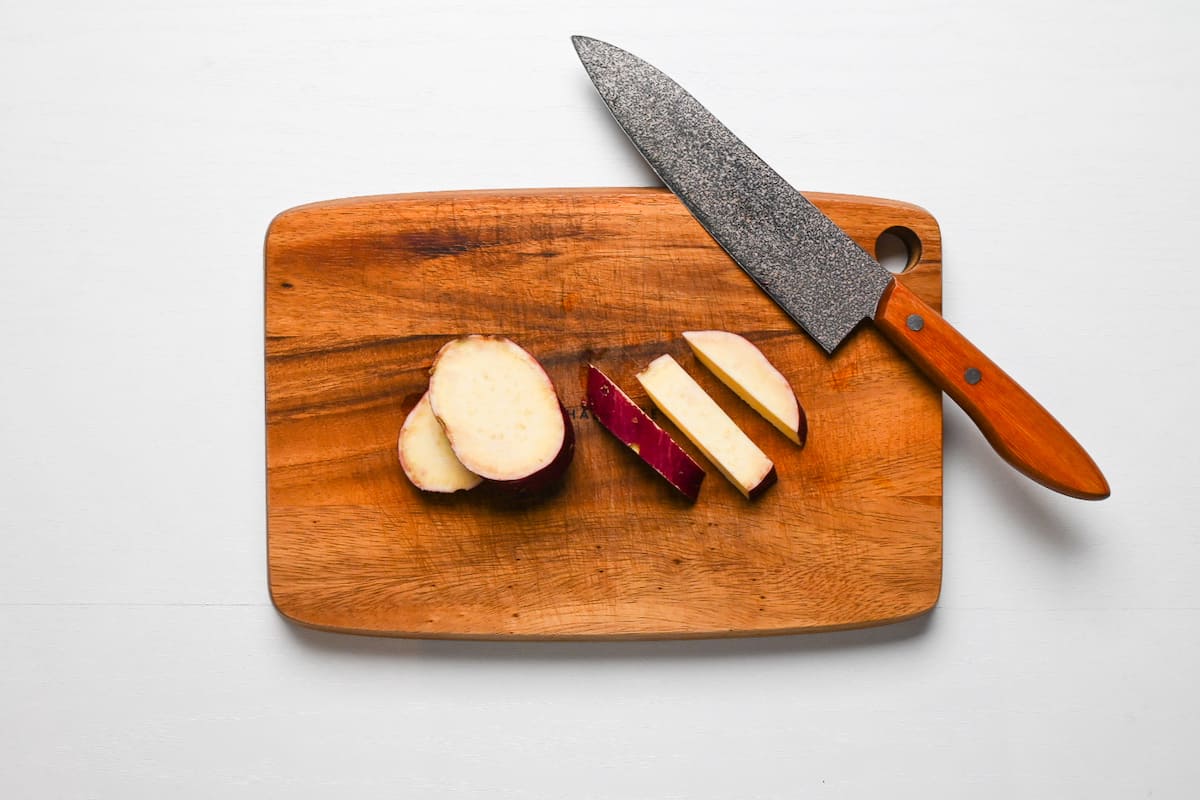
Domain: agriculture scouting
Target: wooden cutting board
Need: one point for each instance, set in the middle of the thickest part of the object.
(361, 293)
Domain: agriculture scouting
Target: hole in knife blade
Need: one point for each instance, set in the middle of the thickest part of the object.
(897, 249)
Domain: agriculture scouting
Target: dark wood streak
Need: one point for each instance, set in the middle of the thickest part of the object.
(308, 350)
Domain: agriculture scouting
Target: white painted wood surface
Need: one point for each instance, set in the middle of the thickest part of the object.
(145, 146)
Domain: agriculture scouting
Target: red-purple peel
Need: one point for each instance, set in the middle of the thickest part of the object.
(633, 427)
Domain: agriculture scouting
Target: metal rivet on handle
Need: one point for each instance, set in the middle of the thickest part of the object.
(973, 376)
(914, 322)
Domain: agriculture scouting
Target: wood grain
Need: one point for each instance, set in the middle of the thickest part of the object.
(361, 293)
(1015, 424)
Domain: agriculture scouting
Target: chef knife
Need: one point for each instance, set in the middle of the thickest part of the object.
(817, 273)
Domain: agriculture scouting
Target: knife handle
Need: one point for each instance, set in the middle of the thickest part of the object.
(1015, 424)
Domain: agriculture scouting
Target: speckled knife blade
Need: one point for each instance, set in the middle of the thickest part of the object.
(800, 257)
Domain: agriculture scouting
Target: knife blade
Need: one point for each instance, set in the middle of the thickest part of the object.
(815, 272)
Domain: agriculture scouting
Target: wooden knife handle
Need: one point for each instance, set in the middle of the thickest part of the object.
(1014, 423)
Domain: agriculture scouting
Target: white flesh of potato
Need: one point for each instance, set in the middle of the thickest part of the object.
(498, 408)
(741, 366)
(426, 456)
(700, 418)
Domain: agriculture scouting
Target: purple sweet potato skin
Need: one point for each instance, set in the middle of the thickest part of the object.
(769, 480)
(633, 427)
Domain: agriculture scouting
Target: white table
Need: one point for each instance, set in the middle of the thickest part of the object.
(145, 146)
